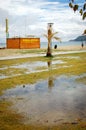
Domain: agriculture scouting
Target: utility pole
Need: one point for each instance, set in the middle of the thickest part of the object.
(7, 33)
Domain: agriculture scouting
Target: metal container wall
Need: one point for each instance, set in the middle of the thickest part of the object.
(13, 43)
(23, 43)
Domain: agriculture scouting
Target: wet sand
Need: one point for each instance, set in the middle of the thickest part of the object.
(71, 48)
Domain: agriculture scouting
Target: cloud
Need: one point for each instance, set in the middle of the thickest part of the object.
(28, 17)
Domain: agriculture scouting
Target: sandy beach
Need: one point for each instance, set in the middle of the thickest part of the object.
(18, 52)
(71, 48)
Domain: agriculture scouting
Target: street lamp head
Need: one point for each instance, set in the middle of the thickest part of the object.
(50, 24)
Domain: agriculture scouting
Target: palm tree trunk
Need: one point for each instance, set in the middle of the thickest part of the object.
(49, 53)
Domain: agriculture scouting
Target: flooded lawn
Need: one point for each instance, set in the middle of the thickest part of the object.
(45, 92)
(48, 102)
(27, 68)
(14, 68)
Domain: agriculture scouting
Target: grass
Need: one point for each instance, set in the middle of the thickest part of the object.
(12, 71)
(26, 51)
(4, 63)
(9, 120)
(82, 80)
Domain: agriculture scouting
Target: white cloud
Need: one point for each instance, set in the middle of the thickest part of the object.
(32, 16)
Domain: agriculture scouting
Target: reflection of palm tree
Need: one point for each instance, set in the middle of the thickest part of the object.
(50, 35)
(50, 80)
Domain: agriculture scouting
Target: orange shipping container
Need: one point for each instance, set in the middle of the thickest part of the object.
(23, 43)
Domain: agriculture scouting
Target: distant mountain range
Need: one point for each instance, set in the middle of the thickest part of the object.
(80, 38)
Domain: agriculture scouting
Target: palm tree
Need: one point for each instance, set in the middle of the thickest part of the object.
(49, 37)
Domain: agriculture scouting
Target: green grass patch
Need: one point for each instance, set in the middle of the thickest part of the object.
(82, 80)
(12, 71)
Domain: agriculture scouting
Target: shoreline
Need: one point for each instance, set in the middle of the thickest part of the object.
(71, 47)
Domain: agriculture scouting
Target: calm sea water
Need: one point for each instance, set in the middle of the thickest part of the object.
(68, 43)
(44, 44)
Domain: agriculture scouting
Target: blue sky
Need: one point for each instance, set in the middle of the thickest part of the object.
(30, 17)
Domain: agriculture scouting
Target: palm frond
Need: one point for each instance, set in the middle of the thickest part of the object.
(45, 35)
(57, 38)
(53, 34)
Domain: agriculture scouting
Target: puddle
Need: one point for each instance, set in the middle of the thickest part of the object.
(30, 67)
(34, 65)
(68, 57)
(71, 57)
(3, 76)
(55, 100)
(3, 68)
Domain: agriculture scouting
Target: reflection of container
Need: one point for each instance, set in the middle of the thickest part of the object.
(23, 43)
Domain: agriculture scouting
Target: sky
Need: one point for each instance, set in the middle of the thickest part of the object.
(31, 17)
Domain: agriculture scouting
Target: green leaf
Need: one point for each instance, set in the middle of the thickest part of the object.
(70, 5)
(81, 11)
(75, 7)
(84, 15)
(84, 6)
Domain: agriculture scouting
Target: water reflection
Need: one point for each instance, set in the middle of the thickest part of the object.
(65, 103)
(50, 78)
(28, 67)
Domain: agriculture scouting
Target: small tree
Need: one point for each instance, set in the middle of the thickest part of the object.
(81, 9)
(50, 35)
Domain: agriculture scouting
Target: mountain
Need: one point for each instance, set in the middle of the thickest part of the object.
(80, 38)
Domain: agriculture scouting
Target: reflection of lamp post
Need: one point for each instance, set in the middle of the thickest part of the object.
(49, 52)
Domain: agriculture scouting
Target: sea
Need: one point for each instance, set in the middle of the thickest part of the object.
(60, 44)
(44, 44)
